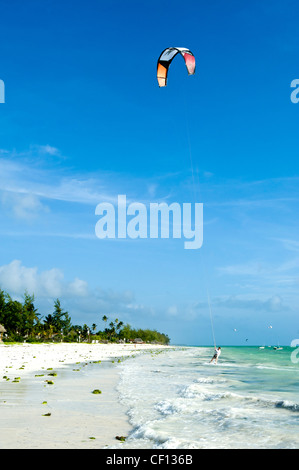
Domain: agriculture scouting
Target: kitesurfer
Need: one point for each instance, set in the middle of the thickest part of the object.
(216, 355)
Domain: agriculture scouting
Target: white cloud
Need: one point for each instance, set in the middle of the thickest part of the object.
(187, 311)
(47, 149)
(250, 268)
(271, 304)
(16, 278)
(291, 245)
(23, 206)
(22, 176)
(173, 311)
(78, 287)
(76, 295)
(258, 269)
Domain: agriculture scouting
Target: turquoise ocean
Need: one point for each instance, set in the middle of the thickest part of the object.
(176, 399)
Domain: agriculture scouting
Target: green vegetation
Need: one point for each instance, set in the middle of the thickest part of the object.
(147, 336)
(23, 322)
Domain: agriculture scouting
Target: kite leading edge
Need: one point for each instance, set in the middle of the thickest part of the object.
(166, 58)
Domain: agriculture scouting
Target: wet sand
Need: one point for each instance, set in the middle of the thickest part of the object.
(77, 418)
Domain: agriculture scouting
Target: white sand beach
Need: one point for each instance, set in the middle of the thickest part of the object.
(46, 398)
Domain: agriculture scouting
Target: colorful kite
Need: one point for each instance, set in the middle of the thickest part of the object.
(166, 58)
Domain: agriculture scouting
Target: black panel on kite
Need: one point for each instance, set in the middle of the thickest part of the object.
(166, 58)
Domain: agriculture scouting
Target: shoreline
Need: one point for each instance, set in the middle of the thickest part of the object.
(64, 414)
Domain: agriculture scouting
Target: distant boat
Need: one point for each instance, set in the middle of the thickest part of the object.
(261, 347)
(277, 347)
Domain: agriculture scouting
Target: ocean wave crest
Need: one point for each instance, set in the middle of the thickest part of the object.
(165, 407)
(197, 392)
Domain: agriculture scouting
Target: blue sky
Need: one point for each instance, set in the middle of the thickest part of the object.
(84, 120)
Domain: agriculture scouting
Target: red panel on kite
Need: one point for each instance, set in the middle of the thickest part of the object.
(166, 58)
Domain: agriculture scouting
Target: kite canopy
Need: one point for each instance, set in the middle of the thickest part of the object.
(166, 58)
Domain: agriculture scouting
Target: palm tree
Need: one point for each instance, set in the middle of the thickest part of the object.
(118, 326)
(112, 329)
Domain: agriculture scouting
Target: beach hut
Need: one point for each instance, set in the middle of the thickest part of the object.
(138, 341)
(2, 330)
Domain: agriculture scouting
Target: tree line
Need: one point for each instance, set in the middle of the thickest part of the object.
(22, 321)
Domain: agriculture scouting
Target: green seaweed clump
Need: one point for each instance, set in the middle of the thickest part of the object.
(96, 391)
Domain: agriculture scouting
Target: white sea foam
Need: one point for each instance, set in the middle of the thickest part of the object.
(165, 407)
(188, 408)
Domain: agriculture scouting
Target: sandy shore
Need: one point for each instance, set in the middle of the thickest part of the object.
(37, 414)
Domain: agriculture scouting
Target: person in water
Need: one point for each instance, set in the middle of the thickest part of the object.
(216, 355)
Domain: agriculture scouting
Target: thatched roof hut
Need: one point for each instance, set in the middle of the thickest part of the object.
(138, 341)
(2, 330)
